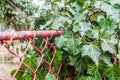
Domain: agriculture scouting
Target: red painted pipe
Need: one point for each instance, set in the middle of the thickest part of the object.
(28, 34)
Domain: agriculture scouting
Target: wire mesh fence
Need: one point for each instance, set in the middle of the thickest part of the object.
(45, 37)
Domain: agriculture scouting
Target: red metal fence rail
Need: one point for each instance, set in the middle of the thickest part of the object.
(6, 38)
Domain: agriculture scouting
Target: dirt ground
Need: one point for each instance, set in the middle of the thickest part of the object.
(5, 70)
(8, 62)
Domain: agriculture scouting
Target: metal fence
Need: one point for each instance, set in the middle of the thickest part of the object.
(6, 40)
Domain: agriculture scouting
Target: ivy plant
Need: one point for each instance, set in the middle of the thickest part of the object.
(90, 46)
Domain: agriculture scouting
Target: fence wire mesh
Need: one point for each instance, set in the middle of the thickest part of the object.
(45, 37)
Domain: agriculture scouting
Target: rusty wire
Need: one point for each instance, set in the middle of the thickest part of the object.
(47, 36)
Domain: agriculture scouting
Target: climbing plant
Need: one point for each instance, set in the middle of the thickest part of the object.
(90, 46)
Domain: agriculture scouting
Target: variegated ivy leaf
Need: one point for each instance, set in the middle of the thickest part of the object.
(109, 45)
(115, 2)
(108, 24)
(106, 58)
(50, 76)
(60, 41)
(84, 27)
(93, 51)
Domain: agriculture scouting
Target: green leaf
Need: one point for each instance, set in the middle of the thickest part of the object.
(41, 73)
(80, 16)
(58, 59)
(108, 9)
(112, 73)
(31, 62)
(78, 62)
(107, 24)
(80, 1)
(81, 37)
(115, 2)
(88, 78)
(118, 47)
(118, 56)
(84, 27)
(76, 27)
(94, 71)
(94, 34)
(117, 6)
(97, 4)
(105, 34)
(51, 77)
(76, 6)
(19, 74)
(109, 45)
(60, 41)
(93, 51)
(106, 58)
(59, 22)
(73, 45)
(57, 0)
(27, 77)
(94, 17)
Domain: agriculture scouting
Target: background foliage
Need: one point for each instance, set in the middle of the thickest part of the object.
(90, 46)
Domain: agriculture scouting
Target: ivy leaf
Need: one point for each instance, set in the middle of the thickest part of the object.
(19, 74)
(60, 41)
(115, 17)
(51, 77)
(105, 34)
(72, 45)
(94, 71)
(27, 77)
(109, 45)
(106, 58)
(76, 27)
(94, 34)
(93, 51)
(78, 62)
(117, 6)
(41, 74)
(118, 48)
(94, 17)
(115, 2)
(31, 62)
(88, 78)
(108, 9)
(84, 27)
(76, 6)
(107, 24)
(80, 16)
(112, 73)
(57, 60)
(59, 22)
(80, 1)
(118, 56)
(97, 4)
(57, 0)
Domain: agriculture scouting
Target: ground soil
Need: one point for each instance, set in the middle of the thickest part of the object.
(5, 70)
